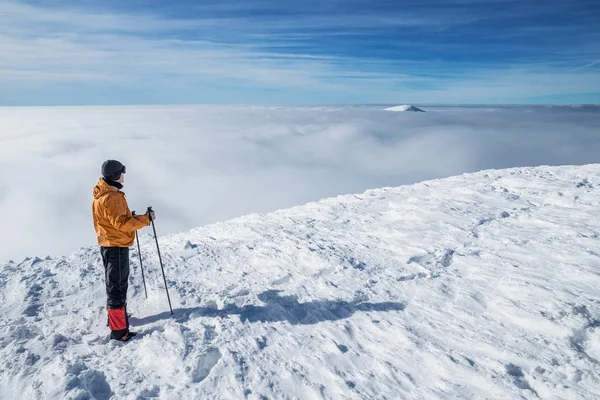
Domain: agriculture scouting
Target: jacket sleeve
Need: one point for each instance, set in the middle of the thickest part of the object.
(120, 217)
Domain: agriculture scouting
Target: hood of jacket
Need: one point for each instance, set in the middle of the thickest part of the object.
(103, 188)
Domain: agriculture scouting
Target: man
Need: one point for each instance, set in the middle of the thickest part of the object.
(115, 227)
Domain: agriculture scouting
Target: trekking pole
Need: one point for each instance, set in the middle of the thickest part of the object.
(159, 257)
(137, 239)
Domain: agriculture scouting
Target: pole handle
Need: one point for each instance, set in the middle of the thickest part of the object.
(148, 211)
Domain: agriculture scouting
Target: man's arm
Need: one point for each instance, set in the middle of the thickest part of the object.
(120, 217)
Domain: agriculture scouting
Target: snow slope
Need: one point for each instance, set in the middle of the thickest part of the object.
(405, 108)
(480, 285)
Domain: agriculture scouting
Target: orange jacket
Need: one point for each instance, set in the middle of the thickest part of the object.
(114, 223)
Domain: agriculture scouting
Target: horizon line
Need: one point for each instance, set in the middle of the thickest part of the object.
(304, 105)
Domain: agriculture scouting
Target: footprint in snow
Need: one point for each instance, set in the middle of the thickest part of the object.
(282, 280)
(518, 377)
(439, 258)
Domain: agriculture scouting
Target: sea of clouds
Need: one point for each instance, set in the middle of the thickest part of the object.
(202, 164)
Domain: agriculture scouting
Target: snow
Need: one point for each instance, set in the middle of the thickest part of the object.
(205, 164)
(481, 285)
(404, 108)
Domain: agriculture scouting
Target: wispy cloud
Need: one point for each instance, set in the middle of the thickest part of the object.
(595, 62)
(337, 51)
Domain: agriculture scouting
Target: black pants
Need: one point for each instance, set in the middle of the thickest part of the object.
(116, 273)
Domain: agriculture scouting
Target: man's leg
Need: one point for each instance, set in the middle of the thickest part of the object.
(124, 266)
(116, 262)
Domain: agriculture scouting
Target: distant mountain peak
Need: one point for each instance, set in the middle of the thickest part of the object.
(407, 107)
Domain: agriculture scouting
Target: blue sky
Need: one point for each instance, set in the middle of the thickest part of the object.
(289, 52)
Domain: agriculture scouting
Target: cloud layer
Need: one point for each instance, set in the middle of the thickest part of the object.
(202, 164)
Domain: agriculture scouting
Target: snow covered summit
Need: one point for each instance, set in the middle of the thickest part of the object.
(405, 108)
(477, 286)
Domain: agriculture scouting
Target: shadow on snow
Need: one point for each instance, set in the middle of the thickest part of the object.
(278, 308)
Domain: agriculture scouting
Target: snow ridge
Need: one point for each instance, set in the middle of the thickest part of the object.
(480, 285)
